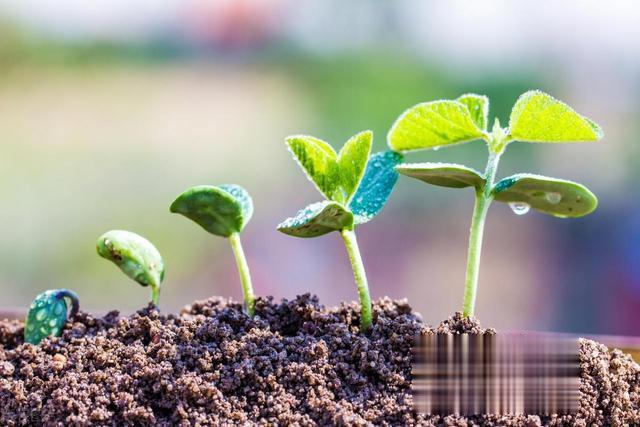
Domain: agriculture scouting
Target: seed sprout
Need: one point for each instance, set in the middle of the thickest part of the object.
(136, 257)
(535, 117)
(48, 314)
(356, 188)
(222, 210)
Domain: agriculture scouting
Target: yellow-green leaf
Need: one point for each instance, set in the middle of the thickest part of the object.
(552, 196)
(478, 106)
(319, 162)
(352, 161)
(443, 174)
(538, 117)
(432, 125)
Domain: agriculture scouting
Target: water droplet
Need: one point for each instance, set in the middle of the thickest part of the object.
(53, 322)
(41, 314)
(553, 198)
(519, 208)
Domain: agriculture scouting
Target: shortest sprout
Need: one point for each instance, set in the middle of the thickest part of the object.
(136, 257)
(48, 314)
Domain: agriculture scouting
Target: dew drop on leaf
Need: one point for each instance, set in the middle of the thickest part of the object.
(519, 208)
(553, 198)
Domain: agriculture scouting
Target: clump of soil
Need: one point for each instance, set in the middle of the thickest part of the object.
(296, 362)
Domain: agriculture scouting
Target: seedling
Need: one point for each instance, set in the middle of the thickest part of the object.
(48, 314)
(356, 187)
(222, 210)
(136, 257)
(535, 117)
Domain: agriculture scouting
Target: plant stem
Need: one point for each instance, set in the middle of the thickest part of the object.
(155, 295)
(245, 276)
(482, 202)
(360, 276)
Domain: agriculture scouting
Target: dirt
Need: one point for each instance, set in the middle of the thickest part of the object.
(296, 362)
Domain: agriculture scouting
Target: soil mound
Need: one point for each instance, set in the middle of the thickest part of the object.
(296, 362)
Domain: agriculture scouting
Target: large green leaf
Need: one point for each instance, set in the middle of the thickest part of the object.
(478, 106)
(376, 186)
(48, 314)
(319, 162)
(432, 125)
(538, 117)
(552, 196)
(222, 210)
(135, 255)
(318, 219)
(352, 161)
(443, 174)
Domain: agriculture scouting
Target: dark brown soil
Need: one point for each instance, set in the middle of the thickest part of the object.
(295, 363)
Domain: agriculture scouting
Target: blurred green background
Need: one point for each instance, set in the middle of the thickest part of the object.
(109, 110)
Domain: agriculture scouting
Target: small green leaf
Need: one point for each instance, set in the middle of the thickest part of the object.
(221, 210)
(319, 162)
(552, 196)
(433, 124)
(135, 255)
(443, 174)
(538, 117)
(318, 219)
(352, 161)
(376, 186)
(48, 314)
(478, 106)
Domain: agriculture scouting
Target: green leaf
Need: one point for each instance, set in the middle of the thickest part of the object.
(318, 219)
(433, 124)
(221, 210)
(376, 186)
(443, 174)
(352, 161)
(319, 162)
(48, 314)
(552, 196)
(478, 106)
(135, 255)
(538, 117)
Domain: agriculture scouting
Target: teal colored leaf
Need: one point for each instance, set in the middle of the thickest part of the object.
(538, 117)
(376, 186)
(319, 162)
(433, 124)
(443, 174)
(318, 219)
(478, 106)
(221, 210)
(352, 161)
(552, 196)
(135, 255)
(48, 314)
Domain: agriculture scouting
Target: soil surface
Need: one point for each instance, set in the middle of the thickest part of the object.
(296, 362)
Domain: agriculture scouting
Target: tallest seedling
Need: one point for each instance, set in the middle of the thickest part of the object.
(536, 117)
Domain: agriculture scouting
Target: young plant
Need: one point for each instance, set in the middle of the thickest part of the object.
(223, 210)
(356, 187)
(48, 314)
(535, 117)
(136, 257)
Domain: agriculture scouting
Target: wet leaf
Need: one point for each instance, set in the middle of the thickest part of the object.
(376, 186)
(352, 161)
(478, 106)
(538, 117)
(319, 162)
(552, 196)
(318, 219)
(135, 255)
(433, 124)
(443, 174)
(221, 210)
(48, 314)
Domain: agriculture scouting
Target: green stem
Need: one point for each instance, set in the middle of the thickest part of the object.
(360, 276)
(245, 276)
(482, 202)
(155, 295)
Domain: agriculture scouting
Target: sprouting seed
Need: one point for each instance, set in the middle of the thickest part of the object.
(535, 117)
(48, 314)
